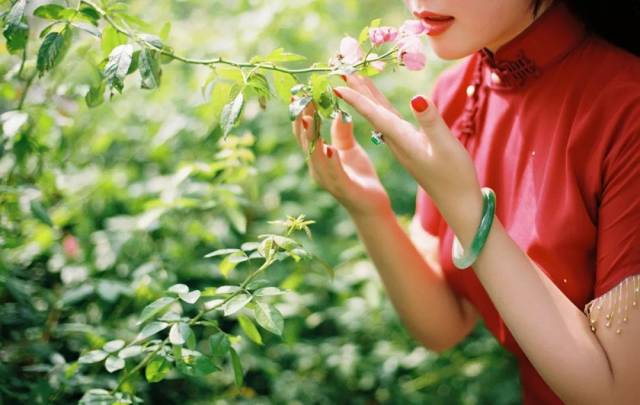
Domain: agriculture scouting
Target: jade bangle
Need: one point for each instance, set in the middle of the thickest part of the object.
(463, 260)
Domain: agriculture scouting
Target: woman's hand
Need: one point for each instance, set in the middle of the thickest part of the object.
(343, 168)
(431, 153)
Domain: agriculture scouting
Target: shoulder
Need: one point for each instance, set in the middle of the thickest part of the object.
(606, 83)
(608, 73)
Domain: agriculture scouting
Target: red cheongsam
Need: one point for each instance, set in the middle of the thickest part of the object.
(552, 122)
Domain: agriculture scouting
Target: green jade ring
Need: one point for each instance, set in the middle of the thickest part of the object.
(463, 260)
(376, 137)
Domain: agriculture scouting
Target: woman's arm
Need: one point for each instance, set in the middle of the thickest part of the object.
(556, 336)
(428, 307)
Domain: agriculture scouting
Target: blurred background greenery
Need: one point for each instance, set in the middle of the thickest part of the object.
(131, 182)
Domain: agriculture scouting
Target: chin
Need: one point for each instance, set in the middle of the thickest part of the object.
(448, 51)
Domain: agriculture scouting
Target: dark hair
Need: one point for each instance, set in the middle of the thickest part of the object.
(616, 21)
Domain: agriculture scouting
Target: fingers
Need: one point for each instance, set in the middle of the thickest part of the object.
(366, 86)
(342, 133)
(429, 119)
(324, 165)
(382, 119)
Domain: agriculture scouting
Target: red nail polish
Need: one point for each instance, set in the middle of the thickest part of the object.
(343, 77)
(329, 152)
(337, 93)
(419, 104)
(305, 124)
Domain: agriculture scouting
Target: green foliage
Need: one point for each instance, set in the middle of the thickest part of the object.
(153, 247)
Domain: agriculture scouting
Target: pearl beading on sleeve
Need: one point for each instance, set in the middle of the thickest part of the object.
(612, 307)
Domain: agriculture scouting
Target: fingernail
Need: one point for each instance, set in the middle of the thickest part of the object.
(419, 104)
(293, 99)
(329, 152)
(343, 77)
(337, 93)
(305, 124)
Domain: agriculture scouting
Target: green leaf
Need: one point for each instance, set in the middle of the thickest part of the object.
(375, 23)
(150, 71)
(91, 29)
(95, 95)
(113, 346)
(50, 12)
(53, 49)
(283, 83)
(269, 318)
(111, 39)
(155, 308)
(130, 351)
(97, 396)
(237, 367)
(180, 333)
(221, 252)
(190, 297)
(17, 36)
(278, 56)
(298, 106)
(153, 40)
(203, 365)
(364, 35)
(219, 344)
(151, 329)
(237, 218)
(231, 113)
(165, 30)
(249, 328)
(38, 211)
(259, 84)
(236, 303)
(157, 369)
(226, 266)
(118, 66)
(89, 13)
(16, 31)
(268, 292)
(114, 363)
(16, 12)
(93, 356)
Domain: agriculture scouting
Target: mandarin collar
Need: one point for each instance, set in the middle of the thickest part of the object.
(543, 43)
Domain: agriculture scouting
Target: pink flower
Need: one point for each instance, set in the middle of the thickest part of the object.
(381, 35)
(412, 27)
(70, 246)
(411, 53)
(350, 51)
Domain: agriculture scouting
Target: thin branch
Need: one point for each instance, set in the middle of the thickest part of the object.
(222, 61)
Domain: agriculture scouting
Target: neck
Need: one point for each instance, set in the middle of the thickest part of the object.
(521, 26)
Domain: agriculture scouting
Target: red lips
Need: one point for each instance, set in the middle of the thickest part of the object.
(432, 16)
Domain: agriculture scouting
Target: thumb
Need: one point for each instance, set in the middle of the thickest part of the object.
(429, 118)
(342, 132)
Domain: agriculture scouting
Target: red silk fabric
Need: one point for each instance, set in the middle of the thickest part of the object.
(552, 122)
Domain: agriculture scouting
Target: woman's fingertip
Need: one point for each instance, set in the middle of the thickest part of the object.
(329, 152)
(337, 93)
(419, 104)
(305, 124)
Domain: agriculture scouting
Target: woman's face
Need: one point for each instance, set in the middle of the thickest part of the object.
(476, 24)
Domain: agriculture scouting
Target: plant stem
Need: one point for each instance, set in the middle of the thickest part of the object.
(195, 319)
(222, 61)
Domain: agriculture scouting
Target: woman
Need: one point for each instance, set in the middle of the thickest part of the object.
(545, 111)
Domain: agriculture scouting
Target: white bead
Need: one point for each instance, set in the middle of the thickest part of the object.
(495, 78)
(471, 89)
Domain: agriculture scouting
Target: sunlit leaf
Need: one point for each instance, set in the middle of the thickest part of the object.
(155, 308)
(231, 113)
(249, 328)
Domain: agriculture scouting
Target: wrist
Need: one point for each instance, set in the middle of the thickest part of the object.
(366, 216)
(463, 216)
